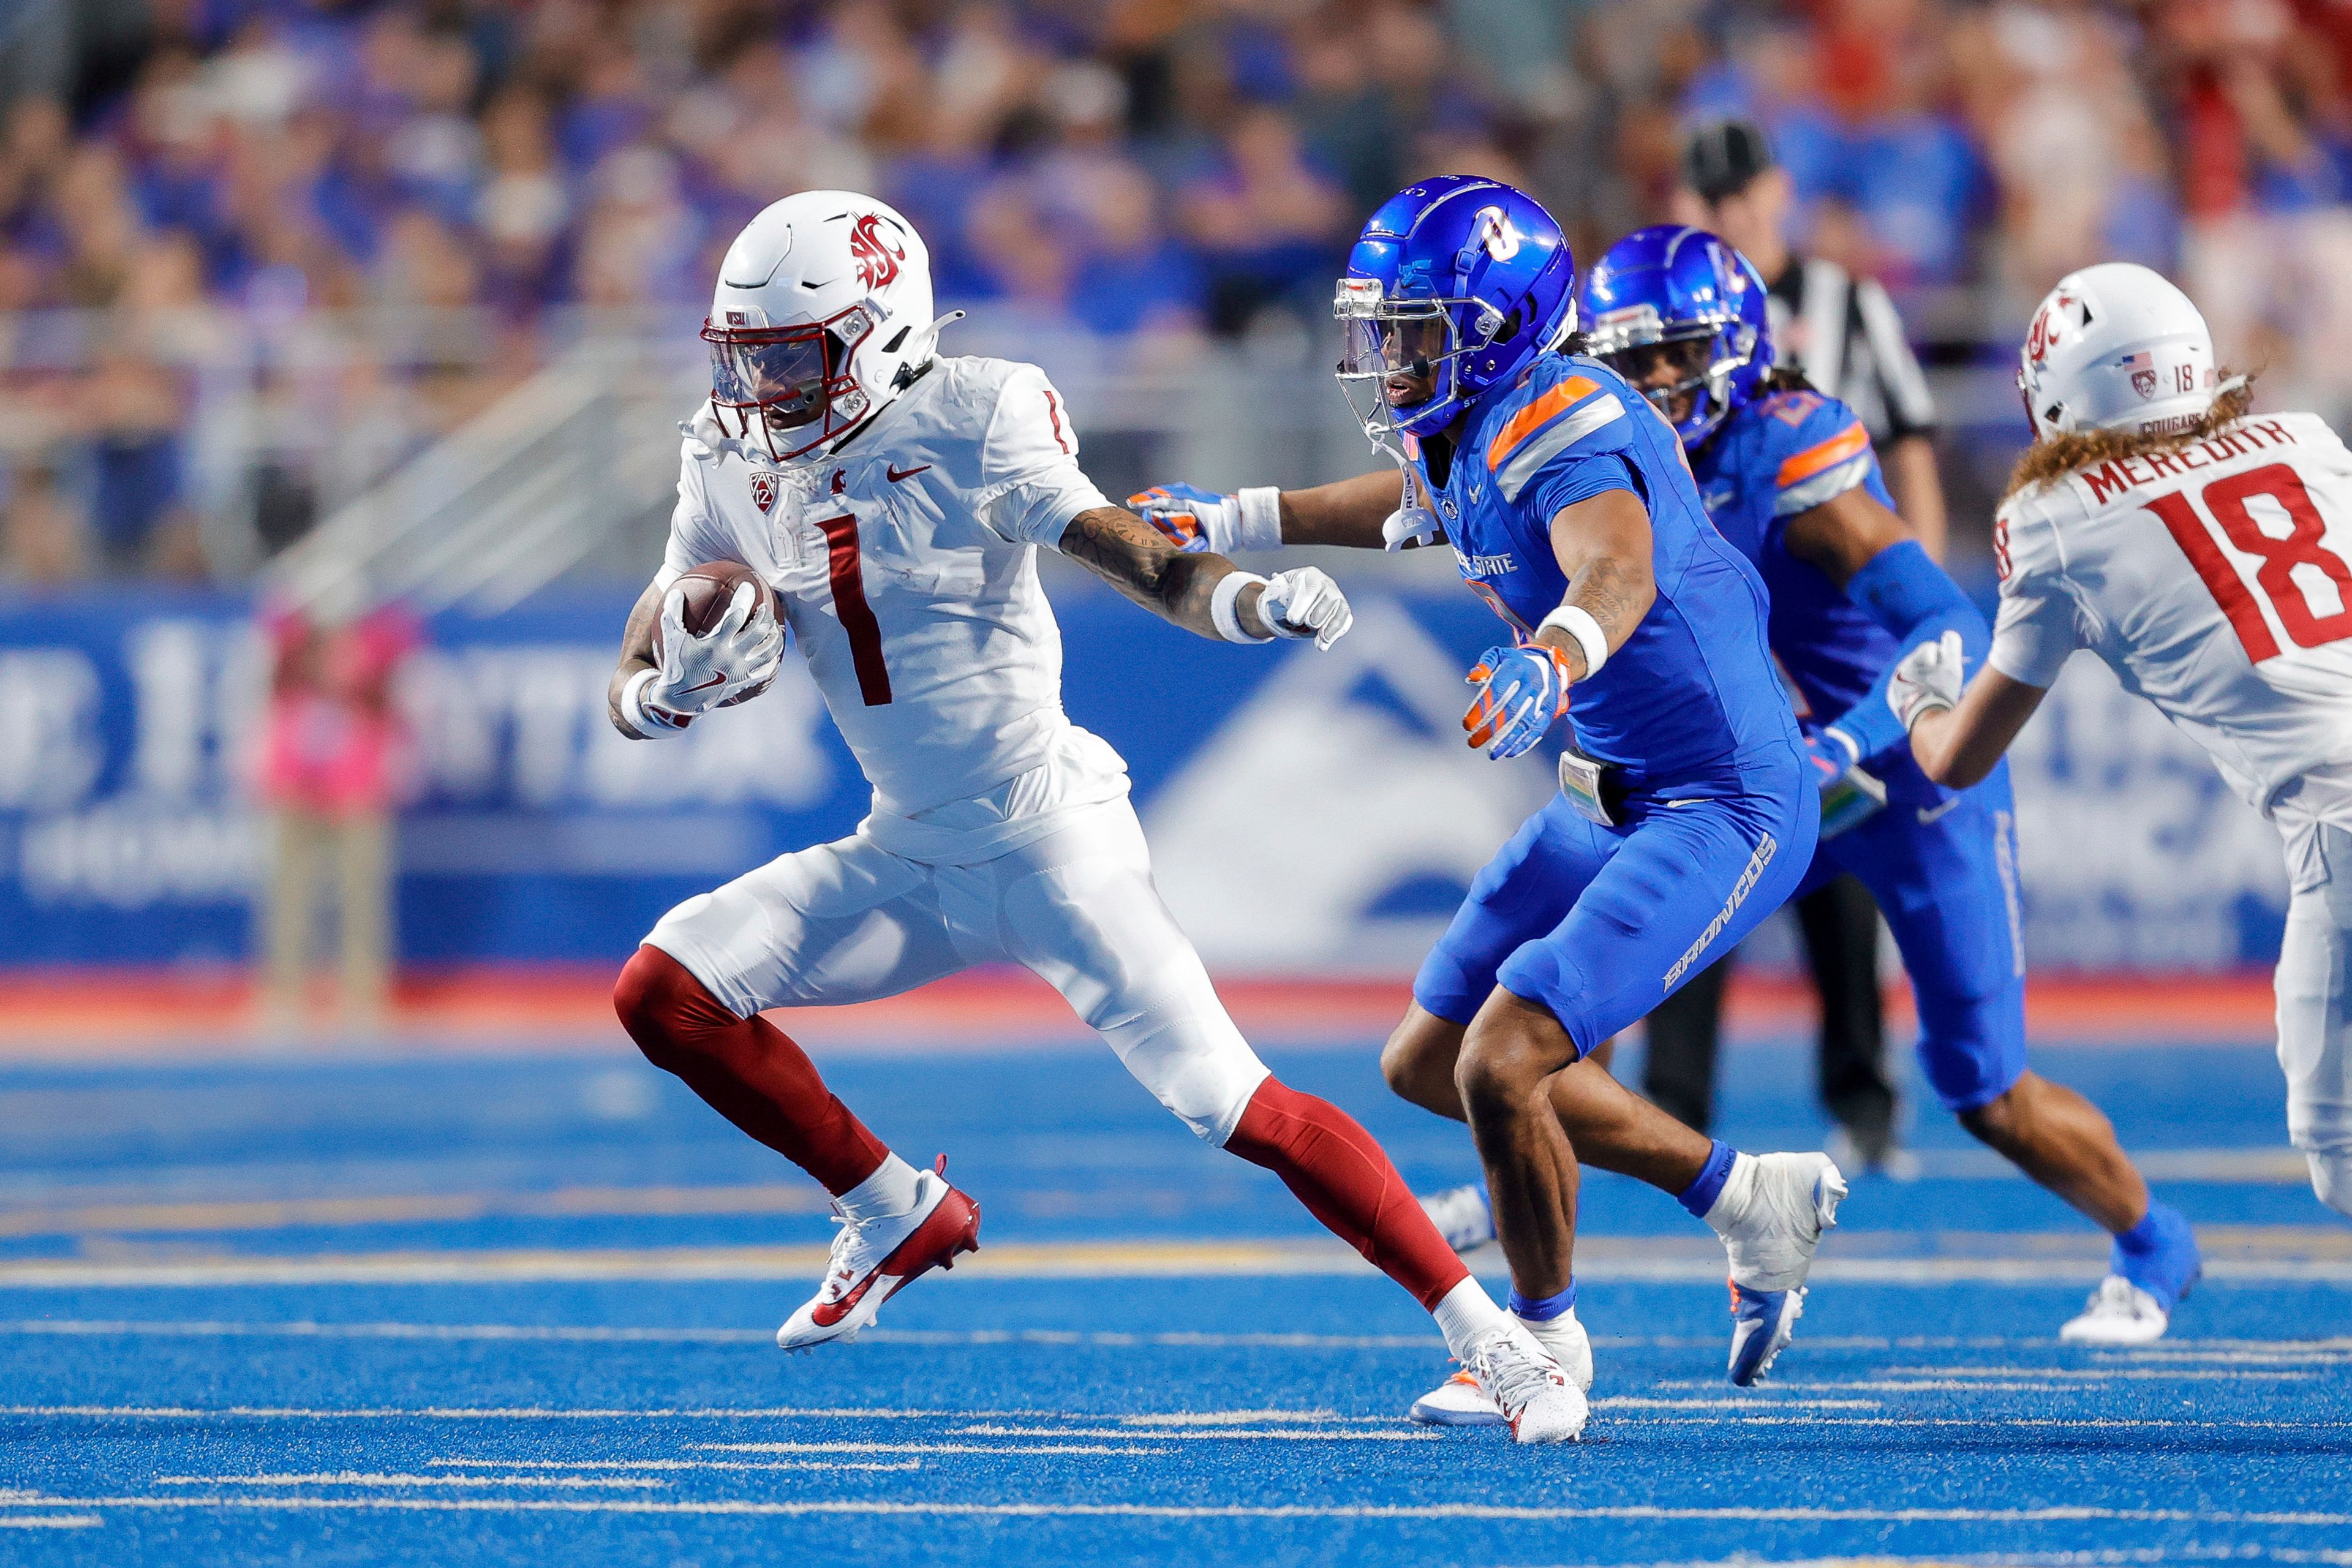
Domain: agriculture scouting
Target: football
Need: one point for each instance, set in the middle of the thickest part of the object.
(710, 588)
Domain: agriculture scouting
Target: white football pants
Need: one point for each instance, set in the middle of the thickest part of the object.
(850, 921)
(2315, 1021)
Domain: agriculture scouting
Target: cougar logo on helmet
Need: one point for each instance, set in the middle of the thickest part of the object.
(2043, 334)
(877, 259)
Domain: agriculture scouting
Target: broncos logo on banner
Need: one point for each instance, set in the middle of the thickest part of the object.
(876, 257)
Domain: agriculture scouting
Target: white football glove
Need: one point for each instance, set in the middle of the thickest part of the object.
(1928, 679)
(1305, 602)
(739, 654)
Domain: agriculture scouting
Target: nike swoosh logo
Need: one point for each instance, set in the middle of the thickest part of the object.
(824, 1316)
(1931, 813)
(719, 680)
(896, 476)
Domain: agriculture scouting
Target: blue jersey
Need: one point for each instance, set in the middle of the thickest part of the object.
(1694, 687)
(1771, 459)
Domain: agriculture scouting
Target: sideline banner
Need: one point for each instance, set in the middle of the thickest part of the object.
(1309, 813)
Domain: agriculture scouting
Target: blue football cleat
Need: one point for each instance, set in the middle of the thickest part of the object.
(1762, 1324)
(1771, 1215)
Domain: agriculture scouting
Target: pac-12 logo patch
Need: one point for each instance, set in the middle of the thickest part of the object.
(876, 254)
(764, 491)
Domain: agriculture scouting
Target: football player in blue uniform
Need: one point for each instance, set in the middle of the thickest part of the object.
(1790, 478)
(1686, 811)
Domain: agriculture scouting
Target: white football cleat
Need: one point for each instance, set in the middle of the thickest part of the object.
(1537, 1401)
(1462, 1215)
(1460, 1401)
(874, 1261)
(1770, 1215)
(2118, 1313)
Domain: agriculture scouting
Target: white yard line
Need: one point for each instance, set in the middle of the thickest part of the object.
(487, 1413)
(1280, 1435)
(379, 1478)
(836, 1506)
(1242, 1260)
(2104, 1372)
(681, 1464)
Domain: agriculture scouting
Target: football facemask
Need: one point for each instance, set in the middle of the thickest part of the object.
(1670, 372)
(1396, 354)
(790, 385)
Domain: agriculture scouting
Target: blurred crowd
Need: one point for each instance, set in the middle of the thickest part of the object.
(253, 251)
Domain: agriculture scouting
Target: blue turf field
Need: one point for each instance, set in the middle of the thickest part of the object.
(494, 1310)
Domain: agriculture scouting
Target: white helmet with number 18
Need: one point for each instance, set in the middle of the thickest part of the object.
(2116, 347)
(822, 314)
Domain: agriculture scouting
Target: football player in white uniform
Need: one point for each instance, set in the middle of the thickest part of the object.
(895, 500)
(2205, 553)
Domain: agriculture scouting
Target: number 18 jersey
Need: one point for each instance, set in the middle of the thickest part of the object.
(2215, 580)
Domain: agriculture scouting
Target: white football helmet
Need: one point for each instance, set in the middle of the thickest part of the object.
(822, 314)
(2116, 347)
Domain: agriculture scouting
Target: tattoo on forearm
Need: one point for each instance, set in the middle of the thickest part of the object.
(1133, 557)
(1612, 595)
(1616, 595)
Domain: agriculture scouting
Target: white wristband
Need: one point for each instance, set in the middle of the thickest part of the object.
(650, 723)
(1224, 606)
(1578, 623)
(1260, 526)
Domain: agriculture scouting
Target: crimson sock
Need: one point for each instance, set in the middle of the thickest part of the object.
(1346, 1180)
(747, 1068)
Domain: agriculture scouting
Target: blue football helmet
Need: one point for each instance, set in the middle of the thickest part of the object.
(1679, 297)
(1457, 279)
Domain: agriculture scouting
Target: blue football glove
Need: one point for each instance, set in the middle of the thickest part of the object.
(1832, 754)
(1194, 519)
(1520, 691)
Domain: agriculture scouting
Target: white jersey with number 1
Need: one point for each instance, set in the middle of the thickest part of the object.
(905, 565)
(2215, 581)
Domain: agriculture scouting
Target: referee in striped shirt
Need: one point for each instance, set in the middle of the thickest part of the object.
(1844, 334)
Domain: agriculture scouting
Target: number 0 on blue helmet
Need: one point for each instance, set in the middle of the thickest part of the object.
(1456, 284)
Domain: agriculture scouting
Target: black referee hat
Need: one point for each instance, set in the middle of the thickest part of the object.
(1724, 155)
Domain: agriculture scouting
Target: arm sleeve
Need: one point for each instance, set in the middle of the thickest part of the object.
(1031, 484)
(1902, 389)
(1905, 592)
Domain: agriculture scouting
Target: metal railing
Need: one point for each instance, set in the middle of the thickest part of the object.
(454, 458)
